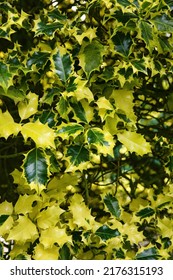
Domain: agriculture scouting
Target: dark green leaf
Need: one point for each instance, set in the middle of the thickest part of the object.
(91, 56)
(5, 76)
(107, 233)
(47, 117)
(77, 154)
(48, 28)
(122, 43)
(79, 111)
(140, 65)
(35, 167)
(146, 30)
(166, 47)
(113, 205)
(148, 254)
(62, 107)
(146, 212)
(56, 14)
(125, 3)
(163, 23)
(3, 218)
(62, 66)
(64, 253)
(39, 59)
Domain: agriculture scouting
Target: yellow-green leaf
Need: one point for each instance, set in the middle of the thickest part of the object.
(23, 231)
(81, 214)
(24, 203)
(124, 102)
(49, 217)
(7, 125)
(134, 142)
(40, 253)
(54, 235)
(42, 134)
(6, 226)
(28, 107)
(6, 208)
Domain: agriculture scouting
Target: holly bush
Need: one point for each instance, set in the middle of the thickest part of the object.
(86, 114)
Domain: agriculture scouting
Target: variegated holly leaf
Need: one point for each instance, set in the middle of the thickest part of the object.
(36, 169)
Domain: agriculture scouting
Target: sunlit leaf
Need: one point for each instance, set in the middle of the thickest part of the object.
(54, 235)
(24, 204)
(81, 214)
(49, 217)
(7, 125)
(124, 101)
(25, 230)
(134, 142)
(28, 107)
(42, 134)
(6, 208)
(40, 253)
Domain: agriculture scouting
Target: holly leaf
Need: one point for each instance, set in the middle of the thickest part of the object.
(122, 43)
(146, 32)
(38, 59)
(28, 106)
(36, 169)
(67, 130)
(54, 235)
(5, 77)
(163, 23)
(81, 214)
(41, 253)
(145, 212)
(78, 158)
(134, 142)
(124, 101)
(6, 226)
(90, 56)
(24, 231)
(49, 217)
(27, 201)
(102, 140)
(6, 208)
(62, 65)
(47, 28)
(112, 205)
(7, 125)
(148, 254)
(106, 232)
(41, 134)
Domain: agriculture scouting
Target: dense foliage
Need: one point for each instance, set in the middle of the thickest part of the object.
(86, 114)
